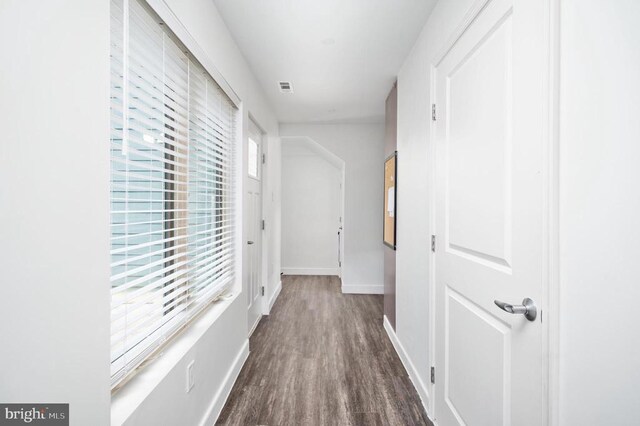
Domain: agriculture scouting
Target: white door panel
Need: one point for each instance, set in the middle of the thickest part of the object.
(476, 338)
(489, 212)
(253, 224)
(479, 176)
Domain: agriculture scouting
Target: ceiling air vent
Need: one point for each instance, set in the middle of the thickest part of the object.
(285, 87)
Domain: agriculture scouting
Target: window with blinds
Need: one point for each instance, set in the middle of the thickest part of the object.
(172, 186)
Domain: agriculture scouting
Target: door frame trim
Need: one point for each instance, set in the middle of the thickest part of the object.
(550, 239)
(431, 151)
(551, 174)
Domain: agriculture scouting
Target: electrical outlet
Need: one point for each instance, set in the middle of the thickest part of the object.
(190, 378)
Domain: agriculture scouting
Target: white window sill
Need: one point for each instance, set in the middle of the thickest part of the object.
(128, 399)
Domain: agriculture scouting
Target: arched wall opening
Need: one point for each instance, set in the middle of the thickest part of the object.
(312, 208)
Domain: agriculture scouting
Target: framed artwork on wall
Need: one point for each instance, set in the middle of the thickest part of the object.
(390, 207)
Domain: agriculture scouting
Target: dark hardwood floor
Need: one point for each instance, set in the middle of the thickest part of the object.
(322, 358)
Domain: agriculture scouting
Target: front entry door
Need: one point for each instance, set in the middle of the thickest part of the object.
(490, 117)
(253, 225)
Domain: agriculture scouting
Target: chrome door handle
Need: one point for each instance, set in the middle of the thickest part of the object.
(249, 242)
(528, 308)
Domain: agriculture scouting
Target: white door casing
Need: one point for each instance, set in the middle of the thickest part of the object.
(490, 118)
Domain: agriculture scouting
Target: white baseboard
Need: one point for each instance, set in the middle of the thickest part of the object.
(408, 365)
(363, 289)
(217, 404)
(310, 271)
(274, 297)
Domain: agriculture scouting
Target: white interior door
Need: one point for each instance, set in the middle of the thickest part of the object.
(490, 100)
(253, 224)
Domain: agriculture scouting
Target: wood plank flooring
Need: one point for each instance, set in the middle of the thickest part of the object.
(322, 358)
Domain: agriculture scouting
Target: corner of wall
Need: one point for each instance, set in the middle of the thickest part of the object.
(274, 296)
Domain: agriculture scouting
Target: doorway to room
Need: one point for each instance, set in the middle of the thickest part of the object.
(312, 209)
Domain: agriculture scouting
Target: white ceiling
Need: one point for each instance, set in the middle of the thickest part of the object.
(341, 56)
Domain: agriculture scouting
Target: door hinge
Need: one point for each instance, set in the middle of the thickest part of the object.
(433, 374)
(264, 158)
(263, 224)
(262, 290)
(433, 243)
(433, 112)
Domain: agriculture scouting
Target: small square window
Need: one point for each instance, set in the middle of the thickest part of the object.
(253, 167)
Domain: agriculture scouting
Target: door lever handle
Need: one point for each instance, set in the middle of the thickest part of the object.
(249, 242)
(528, 308)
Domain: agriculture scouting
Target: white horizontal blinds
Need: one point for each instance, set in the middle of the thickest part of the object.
(171, 186)
(210, 206)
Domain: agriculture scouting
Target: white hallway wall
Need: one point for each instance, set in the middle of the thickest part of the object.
(55, 109)
(54, 191)
(311, 207)
(599, 211)
(360, 146)
(272, 207)
(413, 262)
